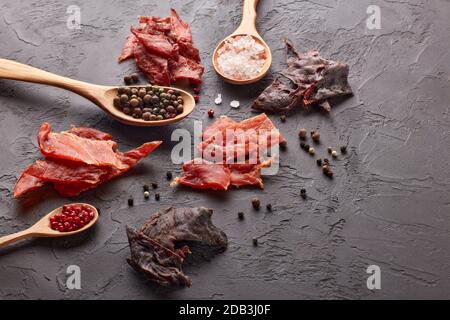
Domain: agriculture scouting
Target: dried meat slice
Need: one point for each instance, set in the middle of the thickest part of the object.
(27, 183)
(90, 133)
(155, 23)
(180, 30)
(187, 50)
(65, 145)
(202, 174)
(186, 69)
(156, 43)
(156, 68)
(128, 48)
(248, 174)
(154, 249)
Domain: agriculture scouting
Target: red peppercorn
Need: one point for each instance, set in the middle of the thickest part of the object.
(210, 113)
(71, 218)
(196, 98)
(196, 90)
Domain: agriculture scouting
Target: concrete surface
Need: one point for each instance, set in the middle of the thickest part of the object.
(388, 204)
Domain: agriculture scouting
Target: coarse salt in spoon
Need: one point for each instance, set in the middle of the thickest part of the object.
(247, 27)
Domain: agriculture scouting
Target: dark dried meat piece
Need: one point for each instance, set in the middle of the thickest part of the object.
(154, 249)
(308, 79)
(156, 68)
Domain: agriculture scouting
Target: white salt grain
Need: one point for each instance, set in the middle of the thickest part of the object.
(234, 104)
(218, 100)
(241, 58)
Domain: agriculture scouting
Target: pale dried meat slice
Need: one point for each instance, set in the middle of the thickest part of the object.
(186, 69)
(202, 174)
(154, 248)
(155, 67)
(65, 145)
(128, 48)
(308, 79)
(187, 50)
(156, 43)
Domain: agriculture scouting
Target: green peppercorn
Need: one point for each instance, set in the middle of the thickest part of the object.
(161, 90)
(149, 88)
(159, 117)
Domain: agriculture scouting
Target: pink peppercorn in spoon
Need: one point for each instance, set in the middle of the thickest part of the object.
(46, 228)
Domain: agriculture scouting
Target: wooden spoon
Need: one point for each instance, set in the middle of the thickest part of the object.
(247, 27)
(41, 229)
(102, 96)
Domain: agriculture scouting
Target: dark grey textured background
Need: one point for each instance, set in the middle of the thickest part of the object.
(389, 202)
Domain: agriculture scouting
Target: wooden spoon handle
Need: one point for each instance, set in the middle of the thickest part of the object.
(248, 23)
(6, 240)
(22, 72)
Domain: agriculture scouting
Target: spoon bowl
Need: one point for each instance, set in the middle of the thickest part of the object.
(41, 229)
(247, 27)
(102, 96)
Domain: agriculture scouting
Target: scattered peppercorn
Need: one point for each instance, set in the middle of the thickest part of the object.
(130, 202)
(312, 151)
(316, 137)
(326, 161)
(255, 242)
(154, 185)
(196, 90)
(330, 174)
(307, 146)
(256, 203)
(334, 154)
(146, 194)
(303, 191)
(283, 118)
(269, 207)
(343, 149)
(283, 145)
(319, 162)
(135, 77)
(169, 175)
(210, 113)
(302, 133)
(302, 145)
(241, 215)
(196, 98)
(325, 169)
(145, 187)
(127, 79)
(312, 132)
(330, 150)
(157, 196)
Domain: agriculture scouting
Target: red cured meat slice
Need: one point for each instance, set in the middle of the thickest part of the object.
(26, 183)
(220, 124)
(128, 48)
(157, 44)
(204, 175)
(185, 68)
(156, 68)
(180, 30)
(90, 133)
(247, 174)
(187, 50)
(156, 23)
(65, 145)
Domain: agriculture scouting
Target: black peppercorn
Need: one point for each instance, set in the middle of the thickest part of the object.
(127, 79)
(283, 118)
(330, 150)
(130, 202)
(326, 161)
(319, 162)
(256, 203)
(343, 149)
(169, 175)
(302, 145)
(255, 241)
(283, 145)
(135, 77)
(241, 215)
(303, 191)
(157, 196)
(154, 185)
(269, 207)
(145, 187)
